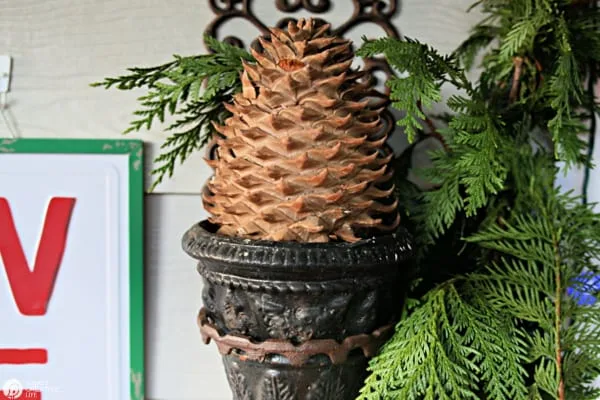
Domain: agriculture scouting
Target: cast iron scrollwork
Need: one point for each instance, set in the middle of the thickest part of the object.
(377, 12)
(226, 10)
(314, 6)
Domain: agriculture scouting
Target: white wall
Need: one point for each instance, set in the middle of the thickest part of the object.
(60, 46)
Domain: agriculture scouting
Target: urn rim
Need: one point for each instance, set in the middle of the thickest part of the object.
(270, 259)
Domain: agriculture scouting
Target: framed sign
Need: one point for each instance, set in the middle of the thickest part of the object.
(71, 269)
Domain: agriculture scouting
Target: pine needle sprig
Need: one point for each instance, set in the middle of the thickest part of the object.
(530, 17)
(478, 148)
(193, 89)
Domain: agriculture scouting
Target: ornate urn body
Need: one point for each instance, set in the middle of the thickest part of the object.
(298, 321)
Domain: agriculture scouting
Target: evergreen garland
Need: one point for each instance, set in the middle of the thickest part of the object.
(506, 308)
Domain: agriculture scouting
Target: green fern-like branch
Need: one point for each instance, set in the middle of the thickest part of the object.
(502, 244)
(192, 89)
(472, 169)
(423, 71)
(544, 257)
(451, 348)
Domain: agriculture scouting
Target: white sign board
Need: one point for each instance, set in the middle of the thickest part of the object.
(71, 298)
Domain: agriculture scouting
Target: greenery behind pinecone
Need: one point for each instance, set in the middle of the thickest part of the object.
(505, 307)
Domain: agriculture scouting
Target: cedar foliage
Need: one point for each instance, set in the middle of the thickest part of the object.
(193, 90)
(506, 305)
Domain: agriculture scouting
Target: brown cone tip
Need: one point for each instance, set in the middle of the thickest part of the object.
(301, 158)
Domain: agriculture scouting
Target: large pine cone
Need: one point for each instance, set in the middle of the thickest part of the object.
(302, 158)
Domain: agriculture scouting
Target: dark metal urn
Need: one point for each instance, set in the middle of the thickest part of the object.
(298, 321)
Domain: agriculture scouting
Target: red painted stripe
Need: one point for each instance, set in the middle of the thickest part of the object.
(26, 395)
(23, 356)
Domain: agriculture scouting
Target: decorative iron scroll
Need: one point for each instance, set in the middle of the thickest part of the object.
(378, 12)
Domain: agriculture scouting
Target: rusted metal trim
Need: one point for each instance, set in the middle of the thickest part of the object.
(297, 355)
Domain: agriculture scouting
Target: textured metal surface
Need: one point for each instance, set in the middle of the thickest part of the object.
(278, 258)
(300, 291)
(265, 381)
(281, 351)
(298, 317)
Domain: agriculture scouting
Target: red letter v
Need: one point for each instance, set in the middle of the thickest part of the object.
(32, 289)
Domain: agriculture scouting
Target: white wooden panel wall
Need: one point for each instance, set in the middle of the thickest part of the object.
(60, 46)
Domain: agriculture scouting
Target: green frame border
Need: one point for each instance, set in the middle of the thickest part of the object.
(135, 150)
